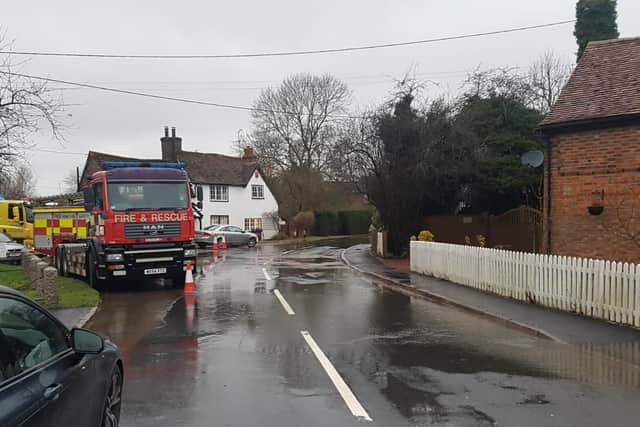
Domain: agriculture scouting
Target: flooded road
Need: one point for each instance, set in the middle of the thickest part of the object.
(233, 356)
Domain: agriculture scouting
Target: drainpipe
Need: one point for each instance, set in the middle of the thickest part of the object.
(548, 204)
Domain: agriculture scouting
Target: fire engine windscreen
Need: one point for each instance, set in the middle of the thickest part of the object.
(132, 196)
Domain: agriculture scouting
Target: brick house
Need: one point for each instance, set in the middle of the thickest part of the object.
(235, 191)
(592, 166)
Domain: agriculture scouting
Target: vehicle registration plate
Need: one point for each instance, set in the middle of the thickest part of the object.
(149, 271)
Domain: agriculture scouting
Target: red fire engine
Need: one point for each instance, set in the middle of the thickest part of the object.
(141, 225)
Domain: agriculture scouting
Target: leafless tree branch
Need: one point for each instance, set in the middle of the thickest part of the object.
(26, 107)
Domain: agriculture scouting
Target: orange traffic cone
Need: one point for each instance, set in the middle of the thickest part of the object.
(223, 246)
(189, 285)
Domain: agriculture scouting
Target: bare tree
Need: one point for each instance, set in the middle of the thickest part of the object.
(503, 83)
(26, 105)
(547, 77)
(295, 124)
(19, 183)
(242, 141)
(70, 182)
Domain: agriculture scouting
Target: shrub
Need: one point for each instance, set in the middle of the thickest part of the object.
(326, 224)
(279, 236)
(330, 223)
(354, 222)
(376, 221)
(425, 236)
(413, 238)
(304, 221)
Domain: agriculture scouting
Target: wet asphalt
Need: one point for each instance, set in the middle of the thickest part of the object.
(232, 356)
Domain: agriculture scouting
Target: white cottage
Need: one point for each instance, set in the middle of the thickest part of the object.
(235, 191)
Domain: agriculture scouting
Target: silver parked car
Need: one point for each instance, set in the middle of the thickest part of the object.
(10, 250)
(235, 236)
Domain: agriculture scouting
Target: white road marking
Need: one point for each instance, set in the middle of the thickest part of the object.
(284, 303)
(347, 395)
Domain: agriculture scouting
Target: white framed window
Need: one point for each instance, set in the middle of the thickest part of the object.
(252, 224)
(219, 220)
(218, 193)
(257, 191)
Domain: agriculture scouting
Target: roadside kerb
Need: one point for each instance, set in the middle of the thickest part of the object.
(76, 317)
(85, 319)
(410, 290)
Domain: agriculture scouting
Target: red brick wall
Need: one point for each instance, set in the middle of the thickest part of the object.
(588, 161)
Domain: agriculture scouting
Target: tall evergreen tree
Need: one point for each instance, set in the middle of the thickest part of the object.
(595, 20)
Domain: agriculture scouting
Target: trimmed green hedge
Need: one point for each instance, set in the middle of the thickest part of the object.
(341, 223)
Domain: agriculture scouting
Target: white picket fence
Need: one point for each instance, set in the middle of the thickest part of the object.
(601, 289)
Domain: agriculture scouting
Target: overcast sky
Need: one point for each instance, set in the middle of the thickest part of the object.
(132, 126)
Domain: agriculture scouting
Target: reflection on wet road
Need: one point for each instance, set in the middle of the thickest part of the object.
(232, 356)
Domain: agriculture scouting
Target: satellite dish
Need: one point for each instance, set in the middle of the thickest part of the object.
(532, 158)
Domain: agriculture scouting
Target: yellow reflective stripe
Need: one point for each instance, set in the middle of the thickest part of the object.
(66, 222)
(81, 232)
(40, 222)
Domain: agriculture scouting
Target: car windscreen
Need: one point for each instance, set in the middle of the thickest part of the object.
(131, 196)
(4, 238)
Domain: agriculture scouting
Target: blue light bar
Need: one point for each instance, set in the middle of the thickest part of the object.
(165, 165)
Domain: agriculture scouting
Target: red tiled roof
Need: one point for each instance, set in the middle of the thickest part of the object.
(203, 168)
(605, 83)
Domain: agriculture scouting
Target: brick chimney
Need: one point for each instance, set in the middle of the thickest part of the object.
(249, 154)
(171, 145)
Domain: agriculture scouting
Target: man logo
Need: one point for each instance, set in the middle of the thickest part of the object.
(153, 229)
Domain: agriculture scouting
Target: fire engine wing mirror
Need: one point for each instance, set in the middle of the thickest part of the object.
(199, 196)
(89, 199)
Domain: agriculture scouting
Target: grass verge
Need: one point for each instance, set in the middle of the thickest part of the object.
(72, 293)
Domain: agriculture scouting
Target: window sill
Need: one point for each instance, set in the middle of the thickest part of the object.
(219, 201)
(257, 198)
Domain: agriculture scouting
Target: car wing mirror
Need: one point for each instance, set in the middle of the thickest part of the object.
(84, 341)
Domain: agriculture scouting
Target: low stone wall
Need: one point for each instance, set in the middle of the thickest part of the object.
(41, 277)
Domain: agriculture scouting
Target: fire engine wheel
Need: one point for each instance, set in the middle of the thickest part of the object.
(178, 280)
(92, 278)
(60, 263)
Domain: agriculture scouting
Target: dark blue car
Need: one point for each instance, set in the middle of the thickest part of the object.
(52, 376)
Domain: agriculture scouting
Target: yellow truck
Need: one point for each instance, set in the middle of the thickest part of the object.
(16, 221)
